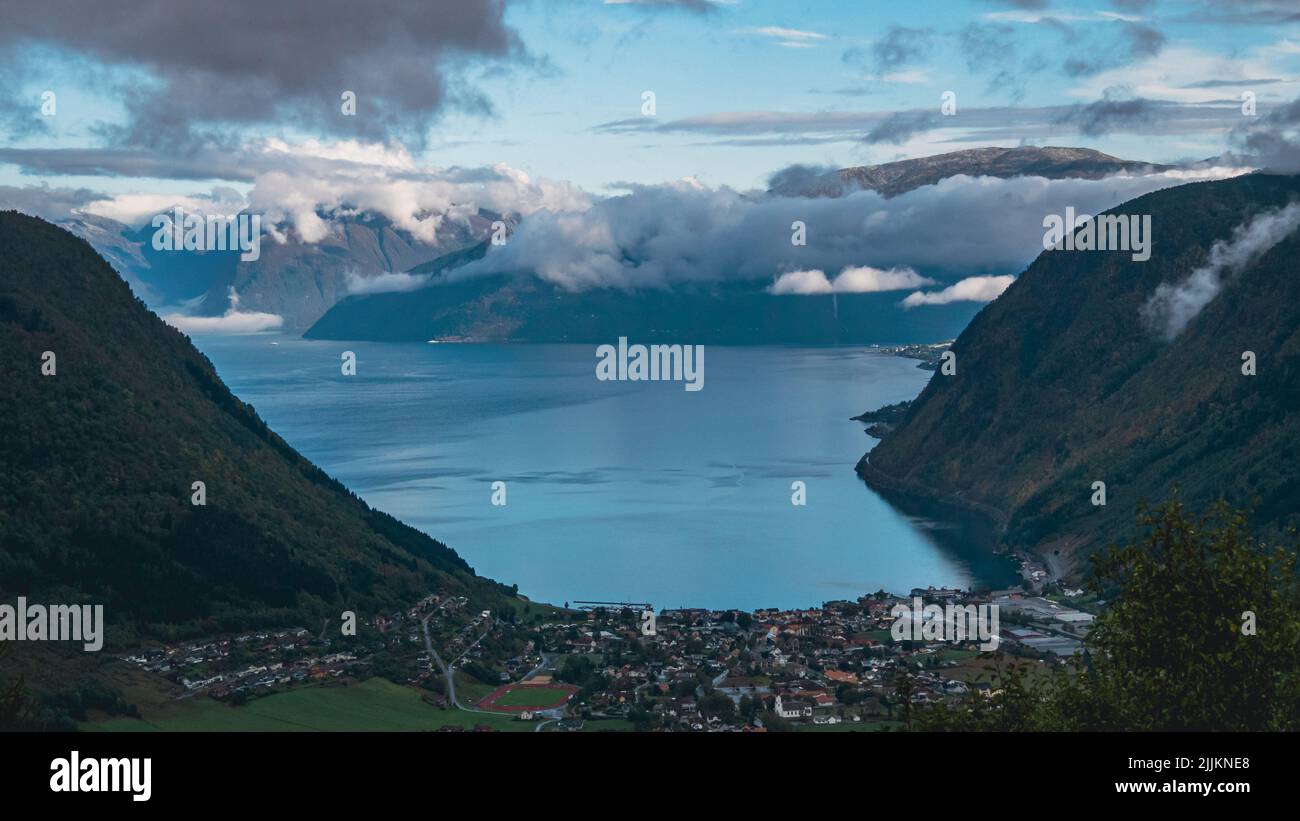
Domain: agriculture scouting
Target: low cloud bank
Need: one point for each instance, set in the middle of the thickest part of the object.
(971, 289)
(233, 321)
(657, 236)
(386, 282)
(859, 280)
(1174, 305)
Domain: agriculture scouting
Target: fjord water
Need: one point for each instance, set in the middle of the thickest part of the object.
(623, 491)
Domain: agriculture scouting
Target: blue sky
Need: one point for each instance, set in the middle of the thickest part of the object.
(555, 88)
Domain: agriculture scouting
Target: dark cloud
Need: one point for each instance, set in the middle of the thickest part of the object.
(993, 50)
(1243, 12)
(1116, 111)
(658, 236)
(797, 177)
(54, 204)
(901, 126)
(1001, 123)
(1137, 42)
(900, 46)
(1271, 141)
(698, 6)
(130, 162)
(1020, 4)
(1245, 81)
(218, 66)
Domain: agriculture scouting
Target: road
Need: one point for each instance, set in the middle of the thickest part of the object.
(448, 670)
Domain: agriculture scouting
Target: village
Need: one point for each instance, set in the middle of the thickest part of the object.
(840, 666)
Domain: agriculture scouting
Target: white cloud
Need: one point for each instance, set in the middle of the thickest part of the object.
(780, 33)
(233, 321)
(971, 289)
(1172, 307)
(656, 236)
(788, 37)
(1179, 74)
(853, 280)
(801, 283)
(139, 208)
(868, 280)
(385, 282)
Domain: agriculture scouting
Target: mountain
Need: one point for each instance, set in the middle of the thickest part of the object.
(1061, 382)
(894, 178)
(295, 280)
(524, 308)
(97, 463)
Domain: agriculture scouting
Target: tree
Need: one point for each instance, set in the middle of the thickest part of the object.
(1202, 633)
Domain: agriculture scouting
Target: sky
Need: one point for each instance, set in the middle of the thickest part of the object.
(623, 110)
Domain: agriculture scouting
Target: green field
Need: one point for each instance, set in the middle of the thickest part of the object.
(537, 695)
(375, 704)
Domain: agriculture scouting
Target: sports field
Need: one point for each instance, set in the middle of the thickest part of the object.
(518, 697)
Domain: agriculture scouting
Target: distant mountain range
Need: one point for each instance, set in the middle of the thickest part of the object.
(321, 287)
(894, 178)
(522, 308)
(501, 308)
(1064, 381)
(296, 280)
(98, 461)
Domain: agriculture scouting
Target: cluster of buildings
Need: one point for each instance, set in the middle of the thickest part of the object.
(258, 662)
(697, 670)
(839, 664)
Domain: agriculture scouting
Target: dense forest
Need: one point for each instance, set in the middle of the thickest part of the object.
(100, 448)
(1063, 382)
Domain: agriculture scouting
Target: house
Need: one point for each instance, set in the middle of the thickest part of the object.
(793, 709)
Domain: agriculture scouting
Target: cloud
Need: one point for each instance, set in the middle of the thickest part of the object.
(1138, 42)
(988, 124)
(971, 289)
(209, 67)
(698, 6)
(1118, 110)
(1243, 12)
(788, 37)
(233, 321)
(659, 236)
(901, 127)
(801, 283)
(385, 282)
(305, 187)
(899, 47)
(140, 208)
(1272, 142)
(853, 280)
(1173, 306)
(53, 204)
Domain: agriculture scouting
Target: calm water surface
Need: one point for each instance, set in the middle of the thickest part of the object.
(628, 491)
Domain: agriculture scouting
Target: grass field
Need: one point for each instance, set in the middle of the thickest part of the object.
(375, 704)
(470, 690)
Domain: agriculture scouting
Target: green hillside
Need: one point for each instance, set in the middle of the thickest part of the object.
(97, 464)
(1061, 382)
